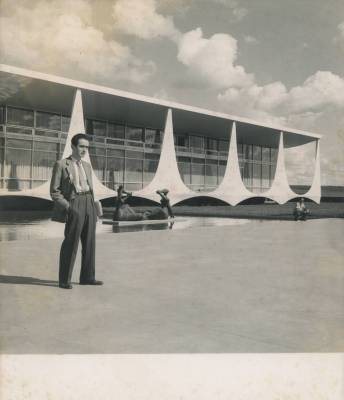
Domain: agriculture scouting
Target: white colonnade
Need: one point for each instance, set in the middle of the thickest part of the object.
(232, 189)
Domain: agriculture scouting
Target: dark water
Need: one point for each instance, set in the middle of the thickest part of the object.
(25, 225)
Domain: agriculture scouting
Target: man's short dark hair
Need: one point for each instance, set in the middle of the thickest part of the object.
(77, 137)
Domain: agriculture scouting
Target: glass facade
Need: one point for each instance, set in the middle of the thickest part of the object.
(32, 140)
(97, 128)
(48, 121)
(204, 171)
(134, 133)
(65, 121)
(19, 116)
(116, 131)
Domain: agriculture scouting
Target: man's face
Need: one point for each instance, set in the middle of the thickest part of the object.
(81, 149)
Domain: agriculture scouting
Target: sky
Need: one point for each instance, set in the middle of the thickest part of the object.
(274, 61)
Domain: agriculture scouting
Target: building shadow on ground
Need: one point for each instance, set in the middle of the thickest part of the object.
(26, 280)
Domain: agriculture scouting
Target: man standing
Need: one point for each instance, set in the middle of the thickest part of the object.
(72, 191)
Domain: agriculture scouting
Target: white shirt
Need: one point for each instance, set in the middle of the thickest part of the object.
(76, 170)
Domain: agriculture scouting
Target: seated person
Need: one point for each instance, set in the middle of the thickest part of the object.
(123, 211)
(165, 209)
(301, 211)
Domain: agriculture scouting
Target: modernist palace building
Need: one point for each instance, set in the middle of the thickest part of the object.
(141, 142)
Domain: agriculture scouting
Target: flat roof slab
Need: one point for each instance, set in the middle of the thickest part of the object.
(23, 88)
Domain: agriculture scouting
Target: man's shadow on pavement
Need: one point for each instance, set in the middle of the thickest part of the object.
(26, 280)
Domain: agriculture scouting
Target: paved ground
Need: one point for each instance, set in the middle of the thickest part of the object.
(273, 286)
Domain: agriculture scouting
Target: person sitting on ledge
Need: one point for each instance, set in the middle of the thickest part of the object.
(301, 211)
(123, 211)
(164, 211)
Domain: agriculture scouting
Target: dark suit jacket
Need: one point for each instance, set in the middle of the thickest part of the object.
(62, 188)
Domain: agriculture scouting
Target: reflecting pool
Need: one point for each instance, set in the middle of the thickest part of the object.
(24, 225)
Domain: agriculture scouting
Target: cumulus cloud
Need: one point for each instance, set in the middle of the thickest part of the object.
(141, 19)
(65, 43)
(310, 106)
(209, 61)
(213, 60)
(307, 101)
(255, 101)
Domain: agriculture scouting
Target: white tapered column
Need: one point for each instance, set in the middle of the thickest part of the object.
(76, 125)
(280, 190)
(167, 174)
(314, 193)
(232, 188)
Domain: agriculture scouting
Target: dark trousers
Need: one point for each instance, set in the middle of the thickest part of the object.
(81, 224)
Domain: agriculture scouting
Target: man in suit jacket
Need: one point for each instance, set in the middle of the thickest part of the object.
(72, 191)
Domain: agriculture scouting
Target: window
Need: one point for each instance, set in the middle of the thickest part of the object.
(152, 156)
(97, 128)
(181, 141)
(133, 133)
(134, 154)
(196, 142)
(116, 131)
(43, 161)
(2, 115)
(184, 166)
(211, 175)
(265, 175)
(256, 175)
(2, 156)
(133, 170)
(223, 145)
(257, 153)
(247, 173)
(48, 121)
(115, 170)
(17, 168)
(19, 116)
(98, 162)
(222, 168)
(97, 151)
(19, 144)
(265, 154)
(115, 153)
(240, 151)
(152, 136)
(247, 151)
(197, 171)
(211, 144)
(65, 121)
(274, 154)
(45, 146)
(149, 168)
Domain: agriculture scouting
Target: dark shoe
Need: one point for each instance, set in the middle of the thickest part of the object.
(94, 282)
(65, 286)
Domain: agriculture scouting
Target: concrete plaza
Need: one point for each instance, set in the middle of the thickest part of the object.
(272, 286)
